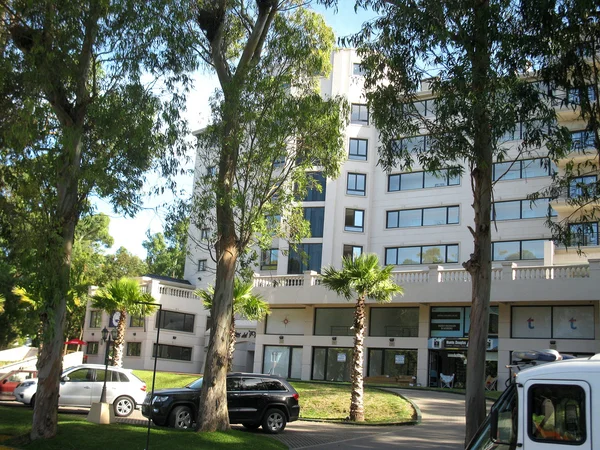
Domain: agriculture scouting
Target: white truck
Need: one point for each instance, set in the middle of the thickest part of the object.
(548, 407)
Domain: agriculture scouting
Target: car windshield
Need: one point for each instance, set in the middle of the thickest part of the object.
(195, 384)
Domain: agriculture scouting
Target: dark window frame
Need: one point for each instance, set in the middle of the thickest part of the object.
(269, 263)
(520, 241)
(362, 109)
(357, 155)
(92, 348)
(496, 175)
(351, 247)
(130, 347)
(446, 250)
(166, 347)
(95, 318)
(315, 216)
(356, 191)
(202, 265)
(594, 227)
(550, 210)
(354, 228)
(398, 211)
(166, 312)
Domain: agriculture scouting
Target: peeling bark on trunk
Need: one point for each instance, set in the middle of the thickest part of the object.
(232, 341)
(479, 265)
(357, 407)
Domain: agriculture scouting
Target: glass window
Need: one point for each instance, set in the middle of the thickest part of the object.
(356, 184)
(507, 210)
(434, 254)
(82, 375)
(305, 257)
(410, 218)
(358, 149)
(556, 413)
(414, 144)
(252, 384)
(408, 255)
(434, 216)
(268, 259)
(91, 348)
(420, 217)
(201, 265)
(355, 220)
(316, 218)
(452, 253)
(282, 361)
(393, 183)
(334, 321)
(447, 321)
(95, 319)
(357, 69)
(332, 364)
(234, 384)
(273, 385)
(581, 140)
(410, 181)
(173, 352)
(532, 168)
(394, 322)
(532, 210)
(134, 348)
(136, 321)
(352, 251)
(318, 367)
(584, 234)
(359, 114)
(176, 321)
(314, 194)
(431, 254)
(392, 362)
(582, 186)
(392, 219)
(518, 250)
(435, 180)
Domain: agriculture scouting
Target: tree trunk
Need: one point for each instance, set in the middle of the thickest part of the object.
(120, 340)
(479, 265)
(357, 406)
(58, 265)
(232, 341)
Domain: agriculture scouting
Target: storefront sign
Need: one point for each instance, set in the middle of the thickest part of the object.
(399, 359)
(446, 315)
(456, 343)
(445, 327)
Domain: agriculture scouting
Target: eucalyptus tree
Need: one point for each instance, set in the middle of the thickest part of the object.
(473, 55)
(269, 127)
(566, 57)
(79, 120)
(246, 304)
(166, 252)
(361, 278)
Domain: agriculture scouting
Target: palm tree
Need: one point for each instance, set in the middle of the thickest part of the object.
(124, 297)
(364, 278)
(245, 304)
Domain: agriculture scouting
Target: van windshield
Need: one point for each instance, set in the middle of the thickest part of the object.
(506, 414)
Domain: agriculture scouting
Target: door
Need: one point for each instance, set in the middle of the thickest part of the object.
(557, 413)
(112, 385)
(252, 399)
(76, 388)
(233, 398)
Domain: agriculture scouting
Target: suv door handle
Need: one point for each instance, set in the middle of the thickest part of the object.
(86, 387)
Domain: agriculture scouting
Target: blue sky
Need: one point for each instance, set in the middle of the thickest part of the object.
(131, 232)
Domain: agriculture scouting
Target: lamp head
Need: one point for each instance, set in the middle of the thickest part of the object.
(113, 334)
(104, 334)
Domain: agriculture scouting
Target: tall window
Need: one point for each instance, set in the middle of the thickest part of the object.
(518, 250)
(352, 251)
(359, 114)
(95, 319)
(584, 234)
(306, 257)
(522, 209)
(268, 260)
(91, 348)
(136, 321)
(419, 180)
(358, 149)
(316, 218)
(201, 265)
(173, 352)
(425, 254)
(134, 348)
(356, 184)
(314, 194)
(355, 220)
(176, 321)
(445, 215)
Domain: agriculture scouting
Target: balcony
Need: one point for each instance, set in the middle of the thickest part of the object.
(510, 283)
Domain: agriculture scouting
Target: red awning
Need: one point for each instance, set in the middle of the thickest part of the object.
(75, 342)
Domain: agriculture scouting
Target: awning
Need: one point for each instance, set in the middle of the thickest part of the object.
(75, 342)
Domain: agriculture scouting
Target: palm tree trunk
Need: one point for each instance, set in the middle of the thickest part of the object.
(357, 407)
(119, 341)
(232, 341)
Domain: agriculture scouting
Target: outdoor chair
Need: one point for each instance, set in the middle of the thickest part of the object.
(491, 383)
(447, 380)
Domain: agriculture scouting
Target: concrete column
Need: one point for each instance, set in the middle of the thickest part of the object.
(309, 277)
(434, 273)
(594, 268)
(507, 270)
(549, 253)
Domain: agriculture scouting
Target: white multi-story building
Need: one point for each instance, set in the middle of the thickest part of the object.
(543, 295)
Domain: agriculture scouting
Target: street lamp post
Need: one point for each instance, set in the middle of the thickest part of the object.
(106, 337)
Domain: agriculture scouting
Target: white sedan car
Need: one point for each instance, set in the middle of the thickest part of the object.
(82, 385)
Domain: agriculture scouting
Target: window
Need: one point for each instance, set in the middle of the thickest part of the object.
(526, 168)
(359, 114)
(95, 319)
(553, 322)
(82, 375)
(394, 322)
(331, 363)
(356, 184)
(204, 233)
(584, 234)
(357, 69)
(445, 215)
(392, 362)
(414, 144)
(136, 321)
(176, 321)
(522, 209)
(424, 108)
(334, 322)
(582, 187)
(211, 171)
(426, 254)
(574, 95)
(91, 348)
(201, 265)
(134, 348)
(352, 251)
(173, 352)
(313, 194)
(358, 149)
(305, 257)
(455, 321)
(285, 362)
(268, 259)
(556, 413)
(316, 218)
(355, 220)
(581, 140)
(518, 250)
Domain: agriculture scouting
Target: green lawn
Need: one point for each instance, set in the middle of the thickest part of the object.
(75, 433)
(165, 380)
(332, 402)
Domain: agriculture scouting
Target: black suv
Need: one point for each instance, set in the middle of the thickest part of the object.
(252, 399)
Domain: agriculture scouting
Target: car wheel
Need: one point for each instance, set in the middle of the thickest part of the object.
(181, 417)
(251, 426)
(32, 402)
(274, 421)
(123, 406)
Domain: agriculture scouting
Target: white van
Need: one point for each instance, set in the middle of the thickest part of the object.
(548, 407)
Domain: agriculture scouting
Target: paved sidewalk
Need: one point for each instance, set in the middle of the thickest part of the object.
(442, 427)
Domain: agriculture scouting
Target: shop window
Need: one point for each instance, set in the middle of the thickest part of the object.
(553, 322)
(392, 362)
(334, 321)
(331, 363)
(394, 322)
(282, 361)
